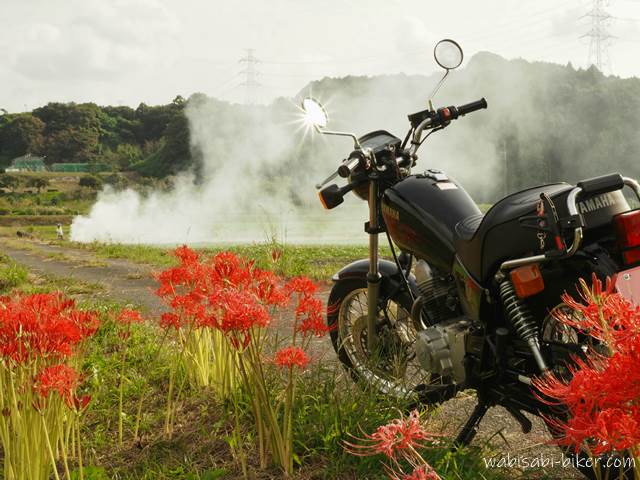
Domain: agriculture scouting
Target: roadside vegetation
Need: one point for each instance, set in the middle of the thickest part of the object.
(208, 433)
(206, 429)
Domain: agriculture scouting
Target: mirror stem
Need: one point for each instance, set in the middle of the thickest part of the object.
(438, 85)
(356, 143)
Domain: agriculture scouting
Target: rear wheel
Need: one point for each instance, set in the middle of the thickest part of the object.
(393, 369)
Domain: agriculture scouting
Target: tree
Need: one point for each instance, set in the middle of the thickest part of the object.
(72, 145)
(10, 182)
(21, 134)
(72, 132)
(38, 183)
(90, 181)
(124, 156)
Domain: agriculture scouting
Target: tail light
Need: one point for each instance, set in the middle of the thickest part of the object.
(628, 227)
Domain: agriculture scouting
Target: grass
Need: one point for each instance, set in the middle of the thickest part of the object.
(318, 262)
(11, 274)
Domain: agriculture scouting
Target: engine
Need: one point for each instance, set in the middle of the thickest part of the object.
(440, 346)
(440, 349)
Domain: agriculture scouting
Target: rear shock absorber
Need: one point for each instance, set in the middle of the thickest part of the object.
(522, 320)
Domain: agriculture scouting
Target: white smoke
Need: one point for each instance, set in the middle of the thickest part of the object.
(257, 185)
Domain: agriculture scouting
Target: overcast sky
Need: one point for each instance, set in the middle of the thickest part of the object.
(129, 51)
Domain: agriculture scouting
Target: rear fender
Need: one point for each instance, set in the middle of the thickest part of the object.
(391, 275)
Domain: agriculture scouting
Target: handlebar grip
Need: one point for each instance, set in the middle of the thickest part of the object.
(472, 107)
(348, 166)
(602, 184)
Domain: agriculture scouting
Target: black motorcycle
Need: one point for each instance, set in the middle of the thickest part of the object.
(468, 301)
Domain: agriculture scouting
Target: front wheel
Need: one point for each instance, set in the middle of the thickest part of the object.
(393, 369)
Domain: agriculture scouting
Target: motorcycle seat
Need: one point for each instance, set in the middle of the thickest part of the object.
(482, 242)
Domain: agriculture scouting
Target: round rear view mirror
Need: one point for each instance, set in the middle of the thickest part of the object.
(448, 54)
(314, 113)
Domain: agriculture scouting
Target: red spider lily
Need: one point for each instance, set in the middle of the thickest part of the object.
(186, 255)
(602, 313)
(301, 285)
(276, 254)
(127, 317)
(59, 378)
(267, 288)
(309, 315)
(42, 325)
(290, 357)
(602, 394)
(170, 320)
(80, 403)
(398, 435)
(423, 472)
(241, 311)
(227, 267)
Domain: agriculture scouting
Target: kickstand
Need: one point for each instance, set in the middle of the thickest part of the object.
(470, 428)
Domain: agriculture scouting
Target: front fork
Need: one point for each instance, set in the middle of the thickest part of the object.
(373, 276)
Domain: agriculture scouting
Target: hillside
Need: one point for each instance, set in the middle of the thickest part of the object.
(545, 122)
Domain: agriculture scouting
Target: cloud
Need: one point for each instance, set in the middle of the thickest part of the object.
(98, 41)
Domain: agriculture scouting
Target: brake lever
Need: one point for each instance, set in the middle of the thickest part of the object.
(327, 180)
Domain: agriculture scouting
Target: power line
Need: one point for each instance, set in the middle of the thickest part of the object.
(599, 36)
(250, 74)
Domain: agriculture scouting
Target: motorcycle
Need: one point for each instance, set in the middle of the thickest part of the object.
(468, 301)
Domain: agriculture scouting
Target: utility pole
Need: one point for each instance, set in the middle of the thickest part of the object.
(599, 37)
(250, 74)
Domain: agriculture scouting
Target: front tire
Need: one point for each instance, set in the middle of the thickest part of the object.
(394, 370)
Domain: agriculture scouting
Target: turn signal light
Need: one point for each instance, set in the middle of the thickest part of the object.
(628, 228)
(527, 280)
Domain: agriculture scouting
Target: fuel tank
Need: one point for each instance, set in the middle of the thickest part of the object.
(421, 212)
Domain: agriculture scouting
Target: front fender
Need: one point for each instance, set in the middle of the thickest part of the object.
(391, 275)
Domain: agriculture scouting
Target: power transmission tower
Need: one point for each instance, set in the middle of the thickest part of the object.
(250, 74)
(599, 36)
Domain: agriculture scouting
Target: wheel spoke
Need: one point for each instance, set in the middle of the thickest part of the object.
(397, 372)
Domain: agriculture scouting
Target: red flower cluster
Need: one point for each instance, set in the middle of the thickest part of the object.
(127, 317)
(390, 439)
(290, 357)
(423, 472)
(64, 380)
(602, 313)
(603, 394)
(232, 295)
(309, 319)
(42, 325)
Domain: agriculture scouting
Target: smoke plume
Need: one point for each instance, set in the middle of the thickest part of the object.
(545, 123)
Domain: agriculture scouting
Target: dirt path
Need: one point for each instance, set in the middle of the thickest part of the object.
(120, 280)
(130, 282)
